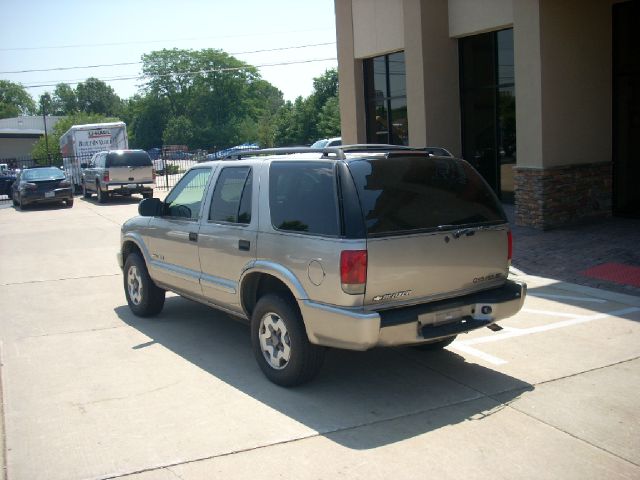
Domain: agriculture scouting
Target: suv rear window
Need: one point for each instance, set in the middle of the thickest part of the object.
(404, 194)
(302, 197)
(128, 159)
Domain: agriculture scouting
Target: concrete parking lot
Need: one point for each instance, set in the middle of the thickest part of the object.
(90, 391)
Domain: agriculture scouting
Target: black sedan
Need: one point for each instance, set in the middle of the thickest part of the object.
(41, 185)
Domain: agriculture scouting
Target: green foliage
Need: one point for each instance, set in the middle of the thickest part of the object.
(224, 99)
(95, 96)
(307, 119)
(179, 131)
(14, 100)
(173, 169)
(329, 121)
(39, 151)
(65, 100)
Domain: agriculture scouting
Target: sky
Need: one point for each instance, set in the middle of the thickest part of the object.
(50, 34)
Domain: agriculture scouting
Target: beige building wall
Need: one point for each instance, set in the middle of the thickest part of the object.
(432, 99)
(377, 27)
(350, 73)
(470, 17)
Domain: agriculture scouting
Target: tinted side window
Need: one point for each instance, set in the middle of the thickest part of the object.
(302, 197)
(232, 196)
(185, 199)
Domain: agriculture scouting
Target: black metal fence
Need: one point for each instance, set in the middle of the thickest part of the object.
(169, 166)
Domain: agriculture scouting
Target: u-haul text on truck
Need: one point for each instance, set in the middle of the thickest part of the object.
(80, 142)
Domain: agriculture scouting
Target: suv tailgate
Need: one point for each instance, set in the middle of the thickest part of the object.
(434, 228)
(406, 270)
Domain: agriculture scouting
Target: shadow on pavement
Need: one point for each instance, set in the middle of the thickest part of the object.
(113, 200)
(353, 389)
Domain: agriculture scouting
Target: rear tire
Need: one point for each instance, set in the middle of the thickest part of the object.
(147, 195)
(435, 346)
(102, 196)
(280, 343)
(144, 297)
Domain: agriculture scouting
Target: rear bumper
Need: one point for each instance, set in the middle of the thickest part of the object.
(59, 194)
(126, 188)
(361, 330)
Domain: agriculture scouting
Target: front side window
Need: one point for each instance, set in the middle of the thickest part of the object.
(386, 99)
(232, 196)
(185, 199)
(302, 197)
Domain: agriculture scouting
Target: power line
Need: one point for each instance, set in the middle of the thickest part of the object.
(198, 72)
(58, 69)
(111, 44)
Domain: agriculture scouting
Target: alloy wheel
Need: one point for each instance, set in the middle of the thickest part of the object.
(274, 341)
(134, 284)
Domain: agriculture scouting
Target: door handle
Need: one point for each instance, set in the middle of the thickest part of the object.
(244, 245)
(193, 237)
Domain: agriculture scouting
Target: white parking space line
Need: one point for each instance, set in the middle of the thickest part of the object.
(567, 297)
(463, 347)
(511, 332)
(550, 313)
(577, 320)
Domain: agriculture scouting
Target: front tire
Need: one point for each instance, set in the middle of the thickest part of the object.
(144, 297)
(69, 202)
(280, 343)
(85, 193)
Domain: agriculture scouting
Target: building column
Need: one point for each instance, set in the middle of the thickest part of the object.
(563, 111)
(433, 93)
(351, 78)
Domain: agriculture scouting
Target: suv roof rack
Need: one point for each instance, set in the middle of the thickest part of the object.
(339, 151)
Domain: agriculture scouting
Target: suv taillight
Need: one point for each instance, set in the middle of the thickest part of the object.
(509, 246)
(105, 176)
(353, 271)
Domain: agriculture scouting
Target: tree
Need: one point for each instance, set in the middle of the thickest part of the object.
(329, 121)
(95, 96)
(224, 98)
(306, 119)
(39, 151)
(65, 99)
(179, 131)
(14, 100)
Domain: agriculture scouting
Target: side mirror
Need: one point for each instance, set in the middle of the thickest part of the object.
(84, 165)
(151, 207)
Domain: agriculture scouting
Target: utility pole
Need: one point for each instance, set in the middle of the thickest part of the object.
(46, 136)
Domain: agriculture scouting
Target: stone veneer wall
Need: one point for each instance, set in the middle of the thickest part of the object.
(554, 197)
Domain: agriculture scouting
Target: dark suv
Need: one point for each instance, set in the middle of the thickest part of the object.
(352, 247)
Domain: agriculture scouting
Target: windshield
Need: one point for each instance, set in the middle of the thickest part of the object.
(43, 174)
(128, 159)
(320, 143)
(404, 194)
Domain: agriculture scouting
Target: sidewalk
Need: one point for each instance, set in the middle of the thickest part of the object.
(585, 254)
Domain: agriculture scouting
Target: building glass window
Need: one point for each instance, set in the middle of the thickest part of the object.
(487, 84)
(386, 99)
